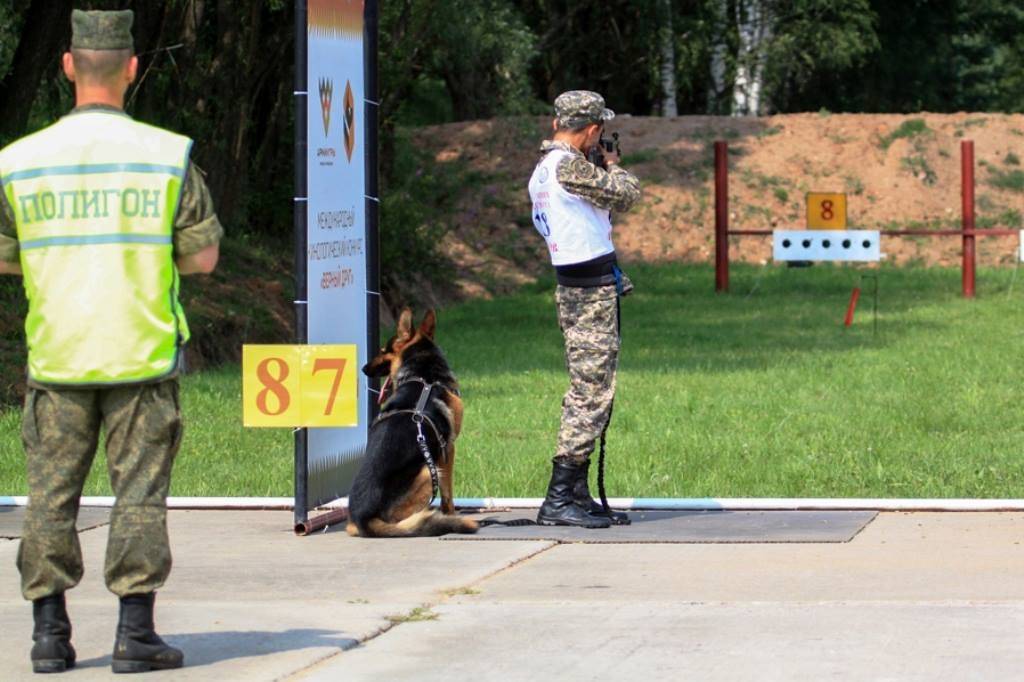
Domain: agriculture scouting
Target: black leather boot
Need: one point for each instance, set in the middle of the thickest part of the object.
(138, 648)
(52, 651)
(560, 508)
(581, 493)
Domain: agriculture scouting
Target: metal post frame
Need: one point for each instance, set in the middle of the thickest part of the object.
(968, 230)
(371, 81)
(721, 216)
(301, 196)
(306, 494)
(967, 213)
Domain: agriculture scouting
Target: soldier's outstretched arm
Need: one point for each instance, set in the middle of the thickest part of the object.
(616, 189)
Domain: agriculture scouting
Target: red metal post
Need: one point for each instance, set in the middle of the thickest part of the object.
(854, 297)
(721, 216)
(967, 212)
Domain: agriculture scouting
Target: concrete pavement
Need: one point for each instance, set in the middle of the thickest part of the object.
(922, 596)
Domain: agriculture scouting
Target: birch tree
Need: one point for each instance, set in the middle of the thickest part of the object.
(666, 42)
(754, 27)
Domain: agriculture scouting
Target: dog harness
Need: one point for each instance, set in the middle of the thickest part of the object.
(419, 416)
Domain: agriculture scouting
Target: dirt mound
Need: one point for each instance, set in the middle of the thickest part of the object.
(898, 172)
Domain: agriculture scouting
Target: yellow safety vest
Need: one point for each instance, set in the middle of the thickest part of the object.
(94, 199)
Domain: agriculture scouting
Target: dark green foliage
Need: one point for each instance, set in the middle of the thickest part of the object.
(935, 55)
(12, 340)
(218, 72)
(412, 225)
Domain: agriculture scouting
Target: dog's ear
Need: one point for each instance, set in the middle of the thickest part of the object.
(405, 326)
(429, 324)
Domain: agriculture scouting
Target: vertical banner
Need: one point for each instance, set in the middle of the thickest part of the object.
(336, 269)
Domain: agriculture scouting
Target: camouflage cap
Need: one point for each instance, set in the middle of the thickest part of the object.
(581, 107)
(102, 30)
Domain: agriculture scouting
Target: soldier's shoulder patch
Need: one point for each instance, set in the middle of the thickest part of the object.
(576, 168)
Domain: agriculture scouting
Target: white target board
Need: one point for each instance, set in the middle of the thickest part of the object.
(826, 245)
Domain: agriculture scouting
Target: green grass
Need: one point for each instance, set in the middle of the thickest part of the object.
(757, 393)
(910, 128)
(218, 456)
(1012, 180)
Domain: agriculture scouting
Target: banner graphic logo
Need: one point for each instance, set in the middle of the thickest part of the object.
(326, 95)
(350, 121)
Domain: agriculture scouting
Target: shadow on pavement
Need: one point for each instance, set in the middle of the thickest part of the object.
(207, 648)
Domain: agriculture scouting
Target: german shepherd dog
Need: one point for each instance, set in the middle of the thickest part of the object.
(391, 494)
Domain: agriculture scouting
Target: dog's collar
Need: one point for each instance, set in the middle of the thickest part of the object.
(387, 383)
(451, 389)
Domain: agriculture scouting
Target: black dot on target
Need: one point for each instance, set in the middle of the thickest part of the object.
(867, 244)
(846, 243)
(786, 243)
(826, 243)
(807, 243)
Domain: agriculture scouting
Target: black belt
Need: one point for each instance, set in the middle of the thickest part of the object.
(598, 272)
(587, 282)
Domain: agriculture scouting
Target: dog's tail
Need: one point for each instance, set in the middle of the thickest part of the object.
(429, 522)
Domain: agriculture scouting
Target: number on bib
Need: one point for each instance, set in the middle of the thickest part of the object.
(540, 221)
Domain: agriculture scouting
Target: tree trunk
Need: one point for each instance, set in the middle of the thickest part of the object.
(719, 51)
(46, 32)
(753, 23)
(464, 93)
(666, 39)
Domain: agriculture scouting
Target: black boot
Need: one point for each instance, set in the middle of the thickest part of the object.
(52, 651)
(560, 508)
(138, 648)
(581, 493)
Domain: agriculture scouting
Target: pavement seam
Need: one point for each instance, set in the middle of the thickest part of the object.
(393, 621)
(85, 529)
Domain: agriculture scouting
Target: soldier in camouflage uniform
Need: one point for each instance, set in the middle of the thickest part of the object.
(572, 199)
(142, 417)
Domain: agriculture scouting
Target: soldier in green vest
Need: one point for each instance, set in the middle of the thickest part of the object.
(101, 214)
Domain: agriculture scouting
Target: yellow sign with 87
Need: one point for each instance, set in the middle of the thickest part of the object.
(300, 385)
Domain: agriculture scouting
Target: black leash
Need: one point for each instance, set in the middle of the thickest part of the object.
(600, 464)
(611, 408)
(513, 522)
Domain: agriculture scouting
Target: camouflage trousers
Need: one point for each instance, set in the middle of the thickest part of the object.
(589, 318)
(60, 431)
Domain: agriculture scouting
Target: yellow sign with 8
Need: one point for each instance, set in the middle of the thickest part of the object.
(291, 386)
(826, 211)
